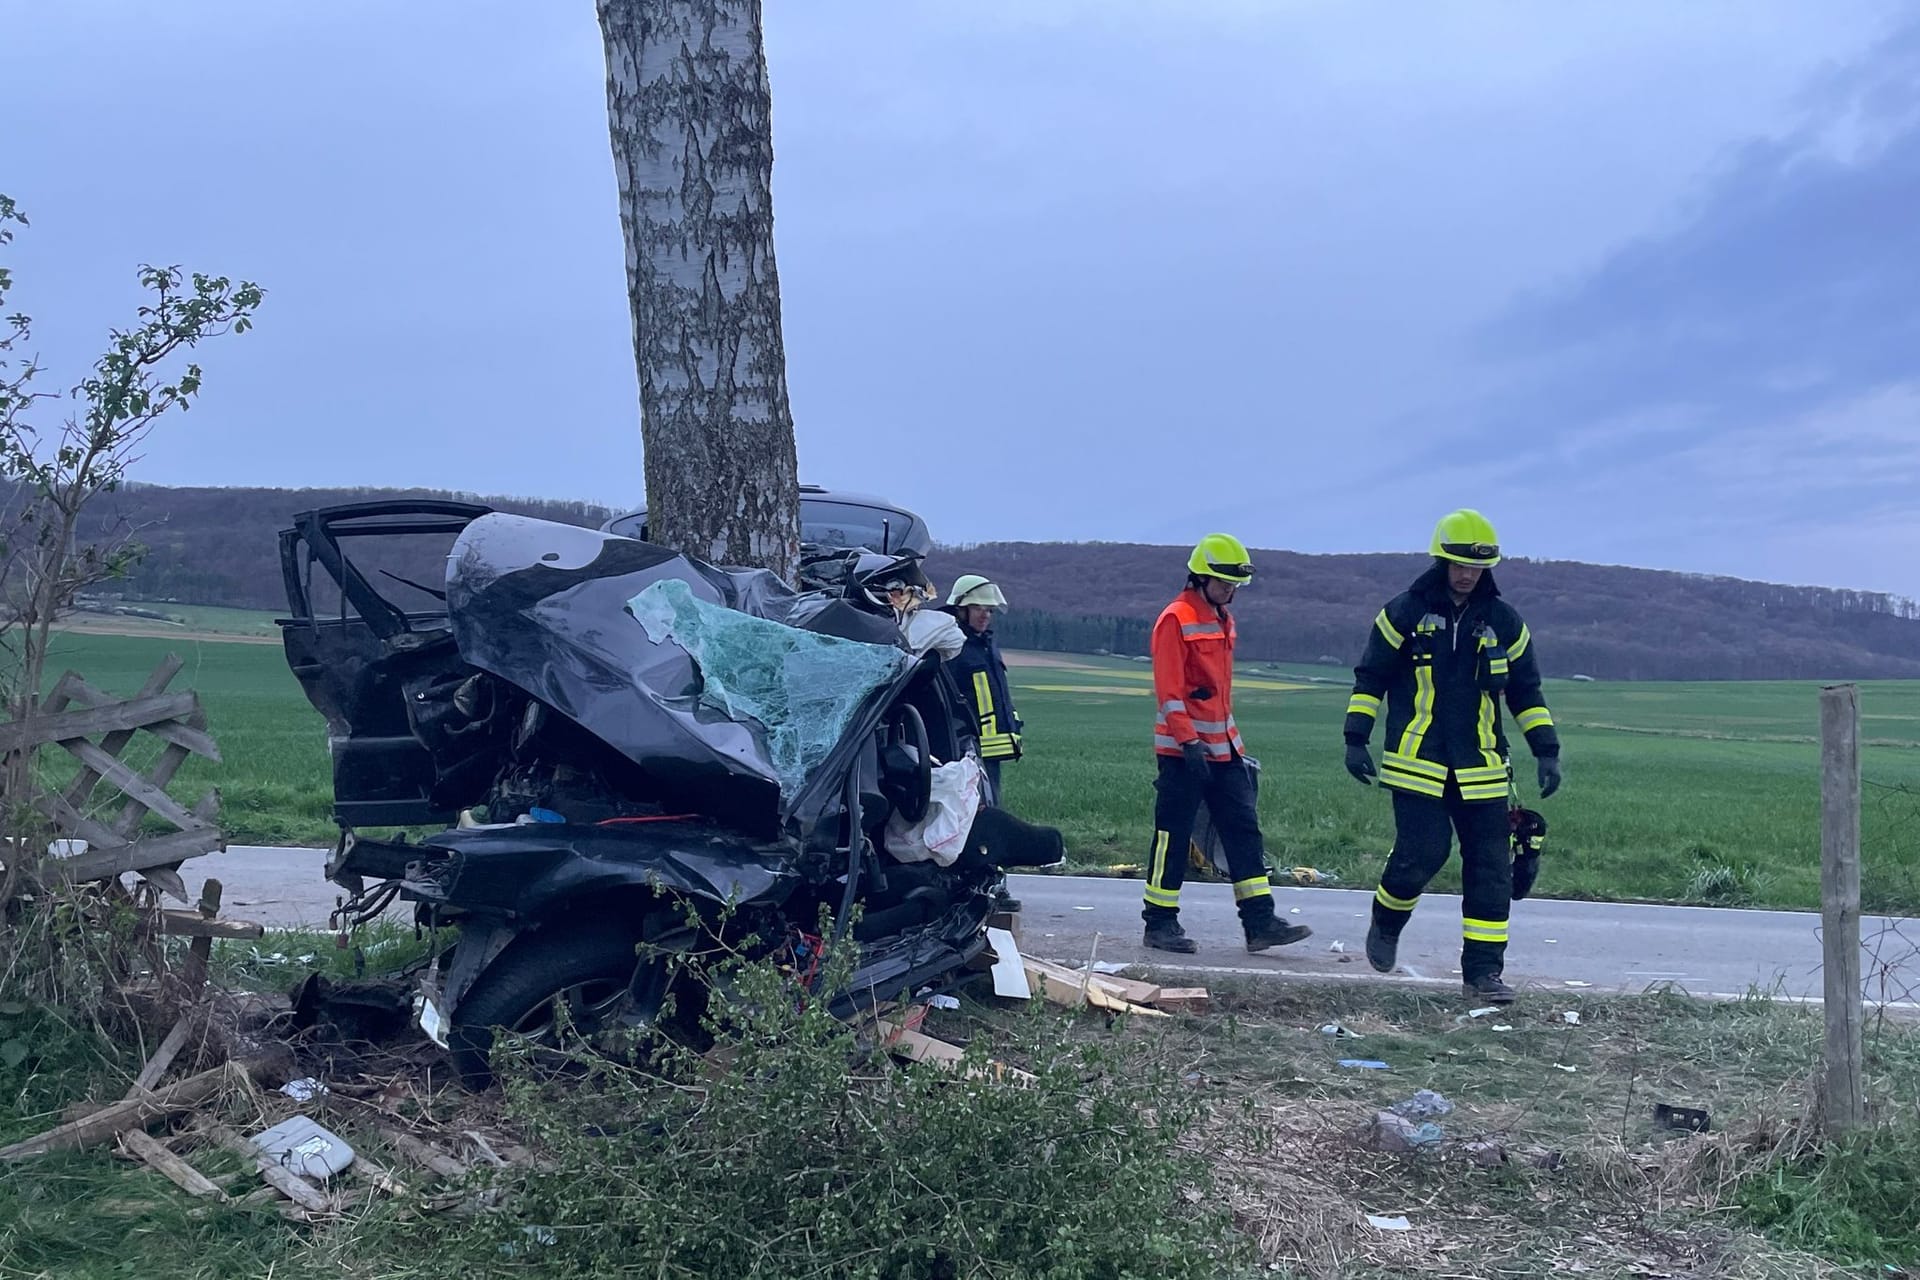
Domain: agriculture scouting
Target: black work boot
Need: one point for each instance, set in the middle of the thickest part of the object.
(1382, 951)
(1488, 987)
(1167, 935)
(1268, 931)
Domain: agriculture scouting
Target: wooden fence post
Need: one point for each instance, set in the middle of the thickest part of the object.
(1840, 903)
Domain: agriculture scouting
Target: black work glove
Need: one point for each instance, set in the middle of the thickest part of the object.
(1549, 775)
(1360, 763)
(1196, 760)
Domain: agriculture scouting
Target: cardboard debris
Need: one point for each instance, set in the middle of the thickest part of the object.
(919, 1047)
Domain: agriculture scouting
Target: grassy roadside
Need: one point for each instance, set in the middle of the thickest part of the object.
(1589, 1183)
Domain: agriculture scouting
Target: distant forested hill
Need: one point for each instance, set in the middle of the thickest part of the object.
(217, 547)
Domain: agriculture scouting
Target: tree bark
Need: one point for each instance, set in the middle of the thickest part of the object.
(689, 113)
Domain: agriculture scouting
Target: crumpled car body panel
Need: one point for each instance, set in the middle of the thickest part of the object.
(545, 607)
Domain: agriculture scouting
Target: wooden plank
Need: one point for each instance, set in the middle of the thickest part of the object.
(127, 821)
(154, 851)
(1186, 999)
(129, 1113)
(1845, 1096)
(167, 881)
(170, 1047)
(200, 950)
(1072, 988)
(130, 782)
(188, 731)
(139, 1143)
(114, 743)
(189, 924)
(278, 1176)
(65, 726)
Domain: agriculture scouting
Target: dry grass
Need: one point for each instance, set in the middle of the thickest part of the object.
(1621, 1197)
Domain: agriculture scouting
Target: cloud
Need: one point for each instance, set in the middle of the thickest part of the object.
(1789, 282)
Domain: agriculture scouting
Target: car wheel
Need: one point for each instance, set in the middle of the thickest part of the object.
(591, 973)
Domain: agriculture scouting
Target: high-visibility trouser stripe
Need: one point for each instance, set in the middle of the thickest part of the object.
(1201, 630)
(1157, 869)
(1392, 903)
(1363, 704)
(1414, 782)
(1256, 887)
(1388, 631)
(1483, 930)
(1520, 645)
(1533, 718)
(1158, 897)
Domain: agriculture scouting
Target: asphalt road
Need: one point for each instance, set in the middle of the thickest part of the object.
(1610, 947)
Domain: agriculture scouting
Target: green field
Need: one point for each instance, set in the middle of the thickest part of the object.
(1674, 792)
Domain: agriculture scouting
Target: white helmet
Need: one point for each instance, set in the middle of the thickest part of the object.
(973, 589)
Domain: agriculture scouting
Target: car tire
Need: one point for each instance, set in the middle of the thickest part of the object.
(592, 969)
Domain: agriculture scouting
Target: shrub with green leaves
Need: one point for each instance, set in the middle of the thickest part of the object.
(791, 1150)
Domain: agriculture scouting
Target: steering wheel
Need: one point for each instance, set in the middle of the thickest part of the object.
(908, 729)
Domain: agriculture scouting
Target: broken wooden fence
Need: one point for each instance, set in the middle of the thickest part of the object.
(96, 729)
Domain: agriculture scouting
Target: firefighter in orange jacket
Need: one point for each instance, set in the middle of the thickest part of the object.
(1201, 757)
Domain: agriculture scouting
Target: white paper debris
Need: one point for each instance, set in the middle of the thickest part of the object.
(1337, 946)
(1575, 982)
(1549, 940)
(1483, 1011)
(1561, 1066)
(1396, 1223)
(303, 1090)
(1110, 966)
(1083, 908)
(1294, 911)
(1502, 1026)
(1571, 1017)
(1009, 975)
(943, 1002)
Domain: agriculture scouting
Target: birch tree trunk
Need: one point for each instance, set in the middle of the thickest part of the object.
(689, 111)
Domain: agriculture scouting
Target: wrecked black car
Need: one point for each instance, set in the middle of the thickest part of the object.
(626, 746)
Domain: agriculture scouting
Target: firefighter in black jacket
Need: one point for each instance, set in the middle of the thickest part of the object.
(982, 673)
(1443, 654)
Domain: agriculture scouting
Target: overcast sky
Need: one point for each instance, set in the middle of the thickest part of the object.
(1640, 280)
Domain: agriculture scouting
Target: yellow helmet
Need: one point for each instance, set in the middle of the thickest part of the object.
(1466, 537)
(1223, 556)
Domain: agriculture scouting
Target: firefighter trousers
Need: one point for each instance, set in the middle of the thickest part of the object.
(1423, 828)
(1229, 795)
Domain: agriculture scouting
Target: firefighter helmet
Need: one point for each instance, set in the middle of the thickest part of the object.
(1222, 556)
(973, 589)
(1466, 537)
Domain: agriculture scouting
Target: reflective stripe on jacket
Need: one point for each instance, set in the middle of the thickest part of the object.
(1192, 651)
(982, 675)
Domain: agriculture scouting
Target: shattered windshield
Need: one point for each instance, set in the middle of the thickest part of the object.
(802, 688)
